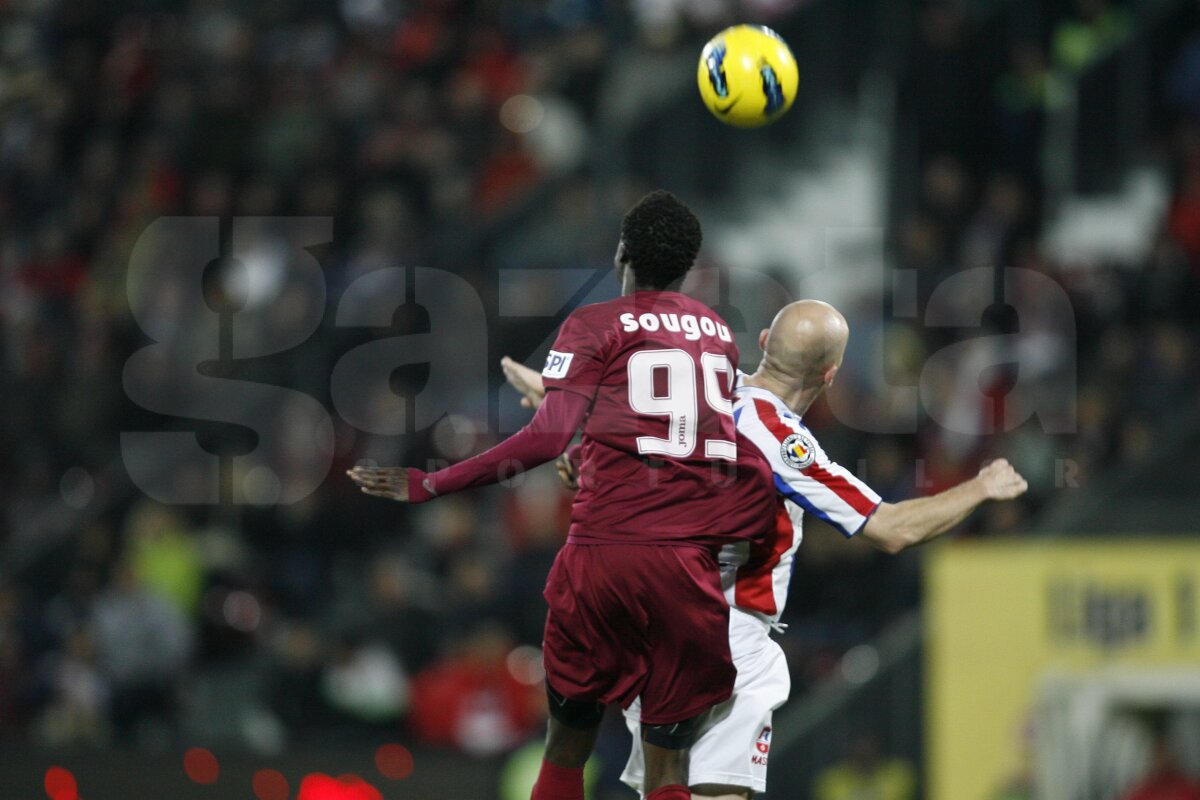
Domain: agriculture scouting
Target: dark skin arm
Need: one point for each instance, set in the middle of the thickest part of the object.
(387, 482)
(542, 440)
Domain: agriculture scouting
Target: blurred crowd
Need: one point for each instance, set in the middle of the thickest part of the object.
(421, 128)
(414, 127)
(1105, 372)
(1114, 333)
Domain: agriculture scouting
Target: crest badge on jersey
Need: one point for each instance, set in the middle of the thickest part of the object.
(557, 364)
(763, 745)
(798, 451)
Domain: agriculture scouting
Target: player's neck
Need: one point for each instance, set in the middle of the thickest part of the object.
(630, 286)
(796, 397)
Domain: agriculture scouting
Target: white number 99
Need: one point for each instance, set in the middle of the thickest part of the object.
(680, 401)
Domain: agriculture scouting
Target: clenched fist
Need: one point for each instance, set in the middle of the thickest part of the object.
(1001, 481)
(566, 471)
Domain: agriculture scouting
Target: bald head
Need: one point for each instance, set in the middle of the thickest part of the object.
(807, 338)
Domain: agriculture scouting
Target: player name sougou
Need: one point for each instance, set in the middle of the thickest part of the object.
(691, 326)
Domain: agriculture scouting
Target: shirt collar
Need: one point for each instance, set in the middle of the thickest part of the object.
(745, 389)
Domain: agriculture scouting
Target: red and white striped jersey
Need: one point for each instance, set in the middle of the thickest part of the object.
(806, 480)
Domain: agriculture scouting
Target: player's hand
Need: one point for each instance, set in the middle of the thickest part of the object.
(566, 471)
(389, 482)
(1001, 481)
(525, 380)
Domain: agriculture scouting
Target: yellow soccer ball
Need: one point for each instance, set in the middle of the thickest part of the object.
(747, 76)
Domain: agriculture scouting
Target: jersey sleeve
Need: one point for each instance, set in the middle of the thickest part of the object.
(542, 440)
(802, 471)
(576, 361)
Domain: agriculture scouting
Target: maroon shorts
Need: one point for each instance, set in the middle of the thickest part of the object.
(631, 620)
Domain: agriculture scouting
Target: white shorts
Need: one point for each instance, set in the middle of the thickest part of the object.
(734, 738)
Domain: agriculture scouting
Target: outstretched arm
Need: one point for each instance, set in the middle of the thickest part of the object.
(542, 440)
(529, 383)
(896, 526)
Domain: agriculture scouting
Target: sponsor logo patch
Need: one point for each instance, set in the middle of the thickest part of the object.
(557, 364)
(763, 746)
(798, 451)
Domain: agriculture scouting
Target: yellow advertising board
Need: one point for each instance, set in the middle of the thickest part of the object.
(1000, 615)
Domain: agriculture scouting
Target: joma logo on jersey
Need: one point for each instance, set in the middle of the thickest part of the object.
(798, 451)
(557, 364)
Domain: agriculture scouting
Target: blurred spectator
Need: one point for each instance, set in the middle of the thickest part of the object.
(365, 681)
(946, 200)
(866, 772)
(79, 695)
(142, 643)
(1003, 216)
(1164, 779)
(940, 88)
(484, 699)
(1166, 370)
(402, 608)
(72, 608)
(520, 772)
(537, 516)
(16, 686)
(1097, 28)
(1025, 92)
(1183, 79)
(1183, 218)
(294, 692)
(165, 557)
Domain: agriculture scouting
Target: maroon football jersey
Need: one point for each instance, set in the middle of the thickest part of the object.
(661, 459)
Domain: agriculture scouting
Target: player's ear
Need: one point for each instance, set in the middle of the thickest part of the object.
(762, 339)
(830, 374)
(622, 256)
(621, 261)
